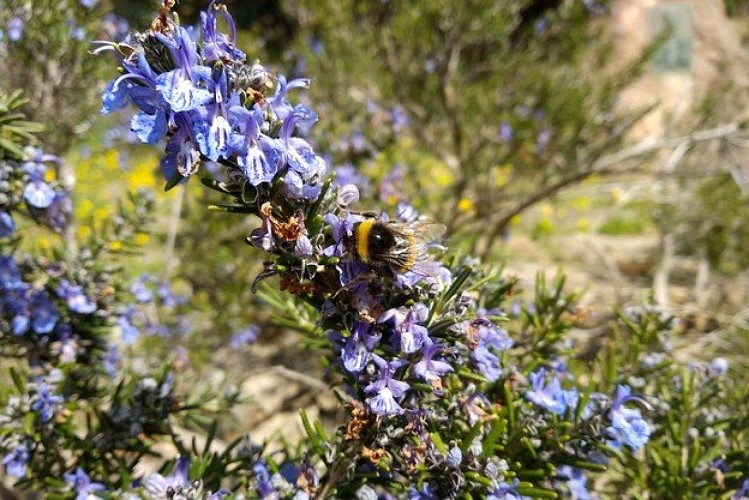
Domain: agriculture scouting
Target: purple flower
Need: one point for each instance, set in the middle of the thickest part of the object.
(159, 486)
(78, 33)
(576, 482)
(37, 193)
(115, 96)
(15, 29)
(348, 194)
(111, 361)
(280, 106)
(743, 492)
(505, 491)
(362, 341)
(542, 140)
(46, 403)
(89, 4)
(263, 480)
(347, 174)
(627, 425)
(77, 300)
(404, 323)
(7, 226)
(182, 155)
(399, 118)
(149, 128)
(128, 330)
(386, 390)
(550, 396)
(82, 484)
(10, 277)
(506, 132)
(485, 338)
(429, 369)
(454, 457)
(189, 86)
(218, 46)
(245, 337)
(16, 461)
(425, 493)
(44, 314)
(718, 367)
(541, 25)
(140, 290)
(59, 211)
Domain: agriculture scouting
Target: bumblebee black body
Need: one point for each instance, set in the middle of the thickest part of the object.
(382, 245)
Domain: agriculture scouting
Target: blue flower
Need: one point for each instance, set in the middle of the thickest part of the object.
(78, 33)
(140, 290)
(77, 300)
(186, 91)
(7, 226)
(182, 154)
(627, 425)
(385, 389)
(37, 193)
(244, 337)
(46, 403)
(218, 46)
(110, 361)
(149, 128)
(17, 460)
(159, 486)
(59, 211)
(280, 106)
(115, 96)
(10, 276)
(542, 140)
(485, 338)
(454, 457)
(44, 314)
(263, 480)
(15, 29)
(505, 491)
(506, 133)
(348, 174)
(719, 366)
(743, 492)
(411, 335)
(261, 161)
(550, 396)
(425, 493)
(355, 354)
(82, 484)
(429, 369)
(89, 4)
(576, 482)
(128, 330)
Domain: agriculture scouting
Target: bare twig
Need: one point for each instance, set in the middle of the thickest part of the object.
(300, 377)
(609, 165)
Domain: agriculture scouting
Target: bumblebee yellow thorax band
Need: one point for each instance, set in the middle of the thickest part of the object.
(362, 239)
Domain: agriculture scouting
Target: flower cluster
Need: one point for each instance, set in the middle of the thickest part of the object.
(27, 182)
(419, 346)
(53, 318)
(151, 311)
(212, 105)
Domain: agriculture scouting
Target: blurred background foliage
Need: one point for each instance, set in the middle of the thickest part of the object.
(483, 115)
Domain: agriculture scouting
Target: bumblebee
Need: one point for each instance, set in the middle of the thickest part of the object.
(395, 246)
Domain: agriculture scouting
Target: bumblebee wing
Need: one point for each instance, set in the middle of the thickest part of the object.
(427, 231)
(412, 243)
(427, 268)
